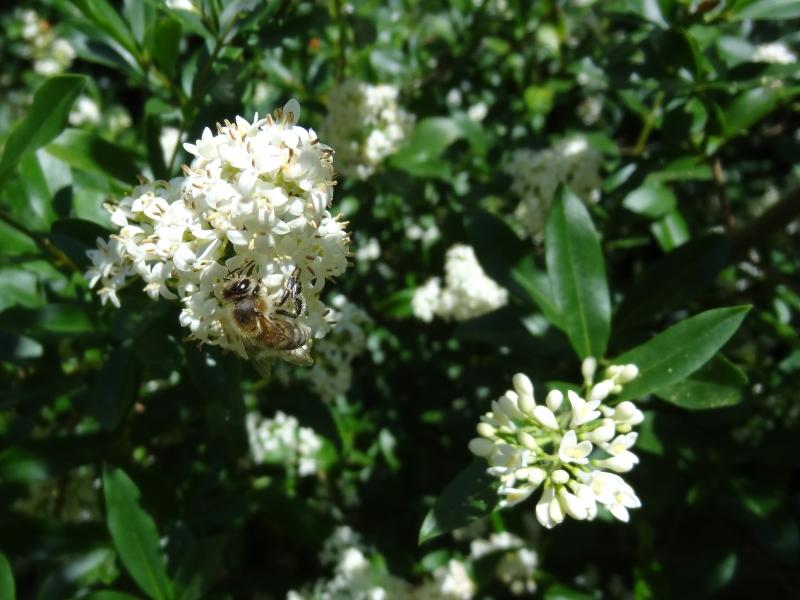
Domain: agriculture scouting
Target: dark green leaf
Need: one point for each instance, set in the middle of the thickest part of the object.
(577, 275)
(86, 151)
(109, 595)
(7, 591)
(679, 351)
(134, 534)
(716, 384)
(751, 106)
(197, 567)
(471, 495)
(35, 168)
(107, 19)
(18, 347)
(50, 320)
(676, 277)
(165, 44)
(45, 120)
(652, 200)
(75, 236)
(114, 388)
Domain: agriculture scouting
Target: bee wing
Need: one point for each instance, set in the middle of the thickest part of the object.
(298, 356)
(259, 357)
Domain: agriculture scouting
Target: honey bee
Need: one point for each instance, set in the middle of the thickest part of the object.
(267, 331)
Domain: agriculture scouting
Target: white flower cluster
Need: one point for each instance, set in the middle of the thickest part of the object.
(50, 54)
(535, 177)
(356, 576)
(775, 53)
(365, 124)
(281, 440)
(255, 193)
(332, 372)
(517, 563)
(468, 292)
(573, 450)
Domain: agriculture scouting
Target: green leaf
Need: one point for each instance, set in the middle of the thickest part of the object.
(775, 10)
(109, 595)
(753, 105)
(577, 275)
(536, 284)
(45, 120)
(717, 384)
(134, 534)
(114, 388)
(7, 591)
(52, 320)
(422, 153)
(652, 200)
(107, 19)
(676, 277)
(471, 495)
(679, 351)
(19, 287)
(165, 44)
(85, 150)
(671, 231)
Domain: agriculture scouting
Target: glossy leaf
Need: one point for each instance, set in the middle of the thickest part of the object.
(776, 10)
(577, 275)
(86, 151)
(421, 154)
(753, 105)
(671, 231)
(45, 120)
(107, 19)
(652, 200)
(7, 591)
(676, 353)
(134, 534)
(471, 495)
(717, 384)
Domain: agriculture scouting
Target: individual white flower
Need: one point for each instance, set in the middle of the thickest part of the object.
(776, 53)
(453, 580)
(169, 140)
(283, 441)
(535, 177)
(365, 124)
(256, 193)
(558, 448)
(468, 292)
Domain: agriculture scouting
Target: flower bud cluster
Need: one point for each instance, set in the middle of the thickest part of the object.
(365, 124)
(535, 177)
(573, 448)
(50, 54)
(255, 193)
(332, 372)
(282, 440)
(468, 291)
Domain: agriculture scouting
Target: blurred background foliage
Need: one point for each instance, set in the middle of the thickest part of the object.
(124, 459)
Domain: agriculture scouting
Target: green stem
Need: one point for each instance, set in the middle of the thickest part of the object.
(647, 128)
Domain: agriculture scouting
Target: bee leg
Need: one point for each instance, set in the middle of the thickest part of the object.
(252, 265)
(299, 305)
(284, 298)
(286, 313)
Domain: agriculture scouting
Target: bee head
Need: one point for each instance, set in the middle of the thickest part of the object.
(238, 288)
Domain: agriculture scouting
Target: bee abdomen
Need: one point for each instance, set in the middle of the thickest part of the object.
(282, 335)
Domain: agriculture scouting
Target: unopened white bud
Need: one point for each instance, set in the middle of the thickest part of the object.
(554, 400)
(545, 416)
(559, 477)
(604, 433)
(486, 430)
(536, 476)
(526, 404)
(627, 412)
(601, 390)
(629, 373)
(527, 440)
(573, 505)
(588, 368)
(523, 384)
(481, 447)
